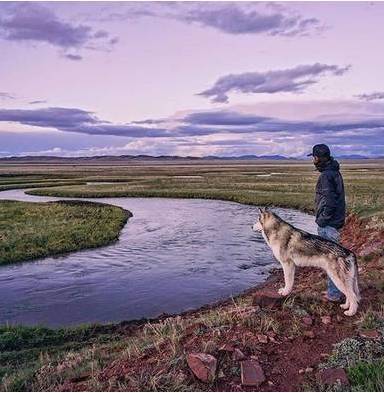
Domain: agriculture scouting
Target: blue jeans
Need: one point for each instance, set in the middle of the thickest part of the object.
(333, 234)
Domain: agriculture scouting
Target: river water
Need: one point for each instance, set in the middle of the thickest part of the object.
(172, 255)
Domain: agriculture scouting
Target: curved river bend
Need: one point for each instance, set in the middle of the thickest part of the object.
(173, 255)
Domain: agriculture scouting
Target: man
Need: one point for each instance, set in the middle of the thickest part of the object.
(329, 202)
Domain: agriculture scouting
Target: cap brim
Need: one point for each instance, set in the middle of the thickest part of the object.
(310, 154)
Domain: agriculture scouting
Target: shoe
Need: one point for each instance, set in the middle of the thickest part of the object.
(340, 299)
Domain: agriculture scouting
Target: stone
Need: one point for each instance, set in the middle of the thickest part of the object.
(326, 320)
(227, 348)
(251, 373)
(309, 334)
(332, 376)
(301, 371)
(267, 298)
(203, 366)
(372, 333)
(309, 369)
(238, 355)
(262, 338)
(339, 318)
(308, 321)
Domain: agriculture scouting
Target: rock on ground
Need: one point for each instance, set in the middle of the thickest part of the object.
(203, 366)
(251, 373)
(332, 376)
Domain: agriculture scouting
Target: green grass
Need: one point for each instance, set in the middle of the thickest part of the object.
(289, 185)
(25, 350)
(35, 230)
(367, 377)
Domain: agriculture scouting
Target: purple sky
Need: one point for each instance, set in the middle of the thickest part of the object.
(191, 78)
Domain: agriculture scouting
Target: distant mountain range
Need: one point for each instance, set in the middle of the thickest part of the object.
(140, 157)
(143, 157)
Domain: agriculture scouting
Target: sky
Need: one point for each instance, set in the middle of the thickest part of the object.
(191, 78)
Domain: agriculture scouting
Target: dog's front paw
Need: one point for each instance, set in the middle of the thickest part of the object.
(283, 292)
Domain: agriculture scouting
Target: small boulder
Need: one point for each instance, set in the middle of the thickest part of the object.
(308, 321)
(326, 320)
(227, 348)
(203, 366)
(267, 298)
(251, 373)
(309, 334)
(372, 333)
(238, 355)
(331, 376)
(262, 338)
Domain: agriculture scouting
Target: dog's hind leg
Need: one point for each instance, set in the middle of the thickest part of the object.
(356, 289)
(352, 300)
(289, 277)
(346, 286)
(345, 305)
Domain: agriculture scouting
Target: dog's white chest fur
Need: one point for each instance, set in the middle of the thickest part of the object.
(274, 247)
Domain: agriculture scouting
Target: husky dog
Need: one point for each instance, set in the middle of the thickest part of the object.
(294, 247)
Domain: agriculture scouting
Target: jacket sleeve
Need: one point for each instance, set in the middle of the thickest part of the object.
(329, 201)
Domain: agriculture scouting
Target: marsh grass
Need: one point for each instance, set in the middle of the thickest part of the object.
(287, 185)
(35, 230)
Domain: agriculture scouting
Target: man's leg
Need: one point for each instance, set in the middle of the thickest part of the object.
(333, 234)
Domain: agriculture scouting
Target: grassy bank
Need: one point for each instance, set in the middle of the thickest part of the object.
(35, 230)
(285, 185)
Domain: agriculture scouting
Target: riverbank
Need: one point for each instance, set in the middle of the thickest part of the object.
(36, 230)
(290, 339)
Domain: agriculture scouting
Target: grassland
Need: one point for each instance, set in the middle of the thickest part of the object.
(150, 355)
(286, 184)
(35, 230)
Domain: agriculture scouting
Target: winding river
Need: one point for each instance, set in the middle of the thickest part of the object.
(173, 255)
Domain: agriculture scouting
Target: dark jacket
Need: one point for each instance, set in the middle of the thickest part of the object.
(330, 197)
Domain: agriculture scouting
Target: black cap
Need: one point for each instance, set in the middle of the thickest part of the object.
(320, 151)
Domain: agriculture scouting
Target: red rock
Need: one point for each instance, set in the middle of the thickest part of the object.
(267, 298)
(339, 318)
(227, 348)
(251, 373)
(309, 334)
(308, 321)
(370, 334)
(203, 366)
(262, 338)
(238, 355)
(326, 320)
(331, 376)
